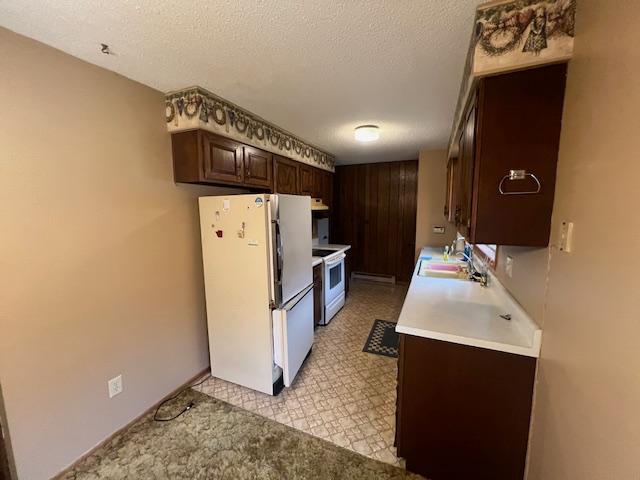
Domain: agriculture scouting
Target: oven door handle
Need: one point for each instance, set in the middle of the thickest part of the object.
(336, 260)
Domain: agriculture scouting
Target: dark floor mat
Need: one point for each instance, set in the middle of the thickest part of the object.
(383, 339)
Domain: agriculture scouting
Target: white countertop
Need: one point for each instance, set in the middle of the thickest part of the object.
(316, 261)
(464, 312)
(331, 246)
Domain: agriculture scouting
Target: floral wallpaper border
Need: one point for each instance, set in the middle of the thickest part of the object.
(525, 27)
(512, 35)
(196, 107)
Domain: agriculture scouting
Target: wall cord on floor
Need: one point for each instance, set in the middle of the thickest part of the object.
(189, 406)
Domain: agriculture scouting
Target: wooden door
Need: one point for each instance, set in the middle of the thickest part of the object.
(222, 159)
(306, 179)
(286, 176)
(258, 167)
(375, 213)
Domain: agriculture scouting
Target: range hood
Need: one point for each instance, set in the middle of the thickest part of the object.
(316, 204)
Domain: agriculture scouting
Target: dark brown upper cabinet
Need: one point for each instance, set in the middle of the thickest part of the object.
(316, 188)
(464, 180)
(258, 167)
(449, 201)
(202, 157)
(306, 179)
(502, 180)
(326, 191)
(222, 159)
(286, 175)
(322, 186)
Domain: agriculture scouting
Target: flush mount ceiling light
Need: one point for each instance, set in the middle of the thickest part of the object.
(367, 133)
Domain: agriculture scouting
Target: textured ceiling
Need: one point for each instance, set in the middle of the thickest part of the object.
(315, 68)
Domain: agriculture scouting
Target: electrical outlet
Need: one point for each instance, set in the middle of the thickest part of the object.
(115, 386)
(566, 237)
(508, 266)
(438, 229)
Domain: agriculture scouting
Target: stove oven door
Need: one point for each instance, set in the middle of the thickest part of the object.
(333, 278)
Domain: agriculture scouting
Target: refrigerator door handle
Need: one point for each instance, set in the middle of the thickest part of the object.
(279, 252)
(277, 263)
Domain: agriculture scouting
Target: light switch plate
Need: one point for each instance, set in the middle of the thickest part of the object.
(115, 386)
(566, 237)
(508, 266)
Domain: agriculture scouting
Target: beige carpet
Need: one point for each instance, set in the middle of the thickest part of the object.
(215, 440)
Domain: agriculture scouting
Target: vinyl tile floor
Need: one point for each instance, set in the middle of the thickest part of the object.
(342, 394)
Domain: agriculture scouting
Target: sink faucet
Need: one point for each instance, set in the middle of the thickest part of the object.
(475, 275)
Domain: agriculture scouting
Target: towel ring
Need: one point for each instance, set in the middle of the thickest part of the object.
(519, 175)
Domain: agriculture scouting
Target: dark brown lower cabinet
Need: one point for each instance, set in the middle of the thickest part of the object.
(317, 294)
(463, 412)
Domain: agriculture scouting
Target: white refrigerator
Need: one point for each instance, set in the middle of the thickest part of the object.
(256, 254)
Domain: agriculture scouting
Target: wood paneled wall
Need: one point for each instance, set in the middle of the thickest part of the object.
(375, 213)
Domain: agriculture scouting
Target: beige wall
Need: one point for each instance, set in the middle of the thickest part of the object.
(100, 263)
(528, 281)
(432, 180)
(586, 422)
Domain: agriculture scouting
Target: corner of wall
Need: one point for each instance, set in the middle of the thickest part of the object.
(432, 179)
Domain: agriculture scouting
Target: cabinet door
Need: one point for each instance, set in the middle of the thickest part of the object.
(316, 189)
(327, 188)
(317, 294)
(468, 168)
(286, 176)
(456, 185)
(258, 167)
(463, 176)
(449, 202)
(519, 118)
(463, 412)
(306, 179)
(222, 159)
